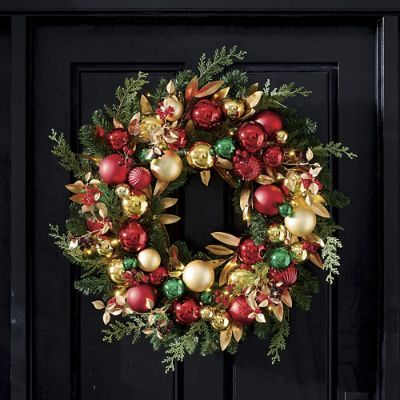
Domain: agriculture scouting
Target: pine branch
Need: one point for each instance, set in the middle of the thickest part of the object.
(280, 331)
(336, 199)
(306, 286)
(94, 285)
(184, 254)
(326, 227)
(277, 96)
(236, 80)
(92, 144)
(258, 227)
(118, 330)
(334, 149)
(331, 257)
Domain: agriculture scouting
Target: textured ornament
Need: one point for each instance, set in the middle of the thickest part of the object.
(285, 209)
(168, 167)
(241, 277)
(225, 148)
(270, 121)
(206, 298)
(130, 263)
(115, 271)
(280, 258)
(139, 178)
(287, 276)
(198, 275)
(281, 137)
(147, 125)
(177, 139)
(300, 254)
(221, 320)
(149, 260)
(122, 190)
(186, 311)
(206, 114)
(302, 222)
(135, 204)
(133, 237)
(158, 276)
(176, 108)
(292, 181)
(267, 199)
(272, 156)
(113, 169)
(251, 136)
(249, 252)
(118, 138)
(201, 156)
(276, 233)
(246, 166)
(173, 288)
(104, 248)
(207, 313)
(141, 298)
(233, 109)
(239, 311)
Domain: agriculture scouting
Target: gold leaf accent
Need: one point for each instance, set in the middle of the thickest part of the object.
(225, 338)
(106, 318)
(316, 260)
(133, 127)
(160, 187)
(278, 311)
(237, 330)
(227, 176)
(264, 180)
(192, 88)
(76, 187)
(271, 173)
(216, 263)
(226, 270)
(286, 298)
(145, 105)
(148, 191)
(175, 274)
(309, 154)
(167, 219)
(320, 210)
(247, 214)
(168, 202)
(226, 238)
(219, 250)
(149, 303)
(221, 94)
(251, 89)
(98, 304)
(254, 99)
(245, 196)
(171, 88)
(209, 89)
(189, 128)
(313, 238)
(117, 124)
(223, 163)
(205, 176)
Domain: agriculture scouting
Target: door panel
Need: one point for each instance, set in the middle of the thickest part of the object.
(76, 65)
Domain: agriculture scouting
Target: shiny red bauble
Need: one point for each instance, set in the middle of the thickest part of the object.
(267, 198)
(272, 156)
(187, 311)
(113, 169)
(246, 166)
(180, 139)
(133, 237)
(249, 252)
(139, 178)
(287, 276)
(140, 297)
(270, 121)
(118, 138)
(158, 276)
(251, 136)
(206, 114)
(95, 224)
(239, 310)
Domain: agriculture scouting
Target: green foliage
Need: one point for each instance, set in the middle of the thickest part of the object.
(306, 286)
(258, 227)
(133, 328)
(184, 254)
(336, 199)
(280, 332)
(176, 184)
(236, 80)
(159, 239)
(261, 330)
(94, 285)
(333, 149)
(113, 203)
(326, 227)
(331, 257)
(182, 79)
(91, 143)
(277, 96)
(76, 224)
(99, 119)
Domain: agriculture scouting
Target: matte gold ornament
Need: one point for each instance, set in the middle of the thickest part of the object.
(201, 156)
(172, 101)
(299, 253)
(147, 125)
(116, 271)
(220, 321)
(135, 204)
(302, 222)
(168, 167)
(276, 233)
(240, 277)
(233, 109)
(207, 313)
(88, 252)
(123, 190)
(149, 260)
(281, 137)
(104, 248)
(198, 275)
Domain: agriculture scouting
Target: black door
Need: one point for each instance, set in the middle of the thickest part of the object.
(64, 65)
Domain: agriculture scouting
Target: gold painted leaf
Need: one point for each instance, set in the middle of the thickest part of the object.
(98, 304)
(189, 128)
(209, 89)
(254, 99)
(260, 317)
(117, 124)
(221, 94)
(309, 154)
(106, 318)
(227, 176)
(278, 311)
(315, 258)
(313, 238)
(192, 88)
(175, 274)
(225, 338)
(219, 250)
(149, 303)
(224, 163)
(171, 88)
(248, 113)
(168, 202)
(245, 196)
(160, 187)
(77, 198)
(145, 105)
(226, 238)
(167, 219)
(320, 210)
(286, 298)
(264, 180)
(223, 276)
(205, 176)
(216, 263)
(237, 330)
(251, 89)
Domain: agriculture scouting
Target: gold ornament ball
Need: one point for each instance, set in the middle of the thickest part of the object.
(114, 242)
(149, 260)
(198, 275)
(135, 204)
(104, 248)
(233, 109)
(276, 233)
(240, 277)
(88, 252)
(201, 156)
(220, 320)
(302, 222)
(299, 253)
(172, 101)
(116, 271)
(207, 313)
(147, 125)
(123, 190)
(281, 137)
(168, 167)
(292, 156)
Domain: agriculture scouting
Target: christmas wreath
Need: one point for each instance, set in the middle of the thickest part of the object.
(137, 152)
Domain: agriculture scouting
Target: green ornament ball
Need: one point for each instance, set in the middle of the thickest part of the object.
(280, 258)
(130, 263)
(285, 209)
(173, 288)
(225, 148)
(206, 298)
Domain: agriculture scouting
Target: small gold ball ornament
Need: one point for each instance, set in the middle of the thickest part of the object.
(201, 156)
(172, 101)
(240, 277)
(147, 125)
(149, 260)
(104, 248)
(276, 233)
(299, 253)
(233, 109)
(198, 275)
(292, 156)
(281, 137)
(207, 313)
(88, 252)
(292, 181)
(116, 271)
(168, 167)
(123, 190)
(220, 321)
(135, 204)
(302, 222)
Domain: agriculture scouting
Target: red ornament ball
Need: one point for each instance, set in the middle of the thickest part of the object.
(251, 136)
(246, 166)
(139, 178)
(249, 252)
(273, 156)
(267, 198)
(158, 276)
(118, 138)
(133, 237)
(287, 276)
(239, 310)
(270, 121)
(187, 311)
(180, 141)
(137, 297)
(113, 169)
(206, 114)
